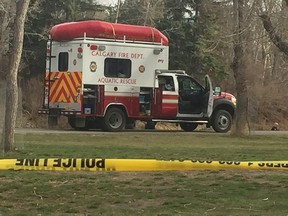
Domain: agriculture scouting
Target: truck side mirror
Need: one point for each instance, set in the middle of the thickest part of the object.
(217, 91)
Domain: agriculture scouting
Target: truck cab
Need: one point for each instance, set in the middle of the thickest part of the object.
(191, 103)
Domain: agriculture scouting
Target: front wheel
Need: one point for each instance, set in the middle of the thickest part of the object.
(188, 126)
(221, 121)
(114, 120)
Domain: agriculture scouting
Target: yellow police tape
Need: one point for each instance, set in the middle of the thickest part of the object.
(101, 164)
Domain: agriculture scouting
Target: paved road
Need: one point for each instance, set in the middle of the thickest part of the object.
(206, 132)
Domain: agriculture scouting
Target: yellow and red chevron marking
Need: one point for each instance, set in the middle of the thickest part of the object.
(64, 86)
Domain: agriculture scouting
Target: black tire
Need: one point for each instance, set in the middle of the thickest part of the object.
(188, 126)
(150, 125)
(72, 123)
(221, 121)
(114, 120)
(52, 121)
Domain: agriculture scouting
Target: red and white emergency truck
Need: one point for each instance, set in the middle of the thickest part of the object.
(107, 75)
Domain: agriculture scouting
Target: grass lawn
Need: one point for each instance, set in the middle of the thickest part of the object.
(210, 192)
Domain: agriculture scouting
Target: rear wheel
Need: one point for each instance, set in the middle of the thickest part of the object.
(114, 120)
(188, 126)
(72, 122)
(83, 125)
(221, 121)
(52, 121)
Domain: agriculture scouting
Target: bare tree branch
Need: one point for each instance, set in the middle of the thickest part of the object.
(275, 38)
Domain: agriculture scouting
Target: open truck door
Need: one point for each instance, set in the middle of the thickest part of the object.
(209, 94)
(195, 100)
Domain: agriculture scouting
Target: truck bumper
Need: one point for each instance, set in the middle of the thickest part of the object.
(57, 112)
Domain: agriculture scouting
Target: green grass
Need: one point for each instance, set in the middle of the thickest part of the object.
(212, 192)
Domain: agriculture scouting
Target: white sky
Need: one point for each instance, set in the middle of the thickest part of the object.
(107, 2)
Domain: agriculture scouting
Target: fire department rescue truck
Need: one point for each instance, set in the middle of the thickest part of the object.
(107, 75)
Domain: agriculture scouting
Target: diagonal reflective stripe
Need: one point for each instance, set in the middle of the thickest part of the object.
(64, 89)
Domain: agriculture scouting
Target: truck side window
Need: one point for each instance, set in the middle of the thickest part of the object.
(190, 85)
(117, 68)
(166, 83)
(63, 61)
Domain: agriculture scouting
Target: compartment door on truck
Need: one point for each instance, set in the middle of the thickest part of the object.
(65, 78)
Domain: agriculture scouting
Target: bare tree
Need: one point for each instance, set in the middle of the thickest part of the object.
(239, 69)
(12, 87)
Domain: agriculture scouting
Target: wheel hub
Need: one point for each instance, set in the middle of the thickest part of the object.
(115, 120)
(223, 122)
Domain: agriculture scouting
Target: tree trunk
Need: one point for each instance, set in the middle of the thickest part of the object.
(239, 68)
(12, 87)
(4, 36)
